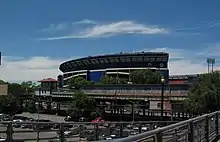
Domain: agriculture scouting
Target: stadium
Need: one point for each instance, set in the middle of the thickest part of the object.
(120, 65)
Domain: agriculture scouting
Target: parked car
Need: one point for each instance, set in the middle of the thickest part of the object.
(83, 119)
(70, 118)
(2, 139)
(43, 126)
(99, 119)
(17, 125)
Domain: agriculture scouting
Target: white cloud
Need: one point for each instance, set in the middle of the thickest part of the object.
(183, 67)
(35, 68)
(86, 21)
(115, 28)
(55, 27)
(173, 53)
(211, 51)
(185, 62)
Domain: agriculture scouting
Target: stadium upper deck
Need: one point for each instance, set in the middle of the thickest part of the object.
(140, 59)
(95, 67)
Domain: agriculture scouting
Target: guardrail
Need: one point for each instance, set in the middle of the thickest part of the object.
(73, 131)
(203, 128)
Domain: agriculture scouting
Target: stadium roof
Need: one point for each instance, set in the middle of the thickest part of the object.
(113, 60)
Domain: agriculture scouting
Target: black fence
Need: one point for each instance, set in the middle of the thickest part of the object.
(74, 131)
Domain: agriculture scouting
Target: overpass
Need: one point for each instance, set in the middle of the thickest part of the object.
(176, 95)
(148, 95)
(135, 92)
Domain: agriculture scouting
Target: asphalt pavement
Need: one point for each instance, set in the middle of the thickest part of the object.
(53, 118)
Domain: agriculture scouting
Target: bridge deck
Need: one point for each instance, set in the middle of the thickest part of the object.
(128, 94)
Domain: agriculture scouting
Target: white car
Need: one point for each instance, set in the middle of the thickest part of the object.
(2, 139)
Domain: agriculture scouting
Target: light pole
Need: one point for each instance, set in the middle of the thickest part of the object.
(38, 114)
(162, 94)
(133, 113)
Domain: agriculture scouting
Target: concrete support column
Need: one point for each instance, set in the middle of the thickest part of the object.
(58, 108)
(132, 109)
(49, 107)
(115, 108)
(111, 107)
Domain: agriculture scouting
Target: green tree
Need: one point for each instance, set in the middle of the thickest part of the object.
(2, 82)
(204, 95)
(81, 105)
(16, 90)
(112, 80)
(29, 86)
(78, 82)
(32, 107)
(96, 113)
(9, 105)
(145, 76)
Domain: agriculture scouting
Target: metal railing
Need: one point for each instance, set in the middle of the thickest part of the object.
(202, 128)
(73, 131)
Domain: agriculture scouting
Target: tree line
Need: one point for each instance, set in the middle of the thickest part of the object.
(203, 96)
(144, 76)
(12, 103)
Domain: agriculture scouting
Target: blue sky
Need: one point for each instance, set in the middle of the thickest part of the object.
(36, 36)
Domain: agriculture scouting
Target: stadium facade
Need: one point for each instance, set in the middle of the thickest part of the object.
(120, 65)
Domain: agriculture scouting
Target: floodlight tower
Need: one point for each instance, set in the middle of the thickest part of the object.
(212, 62)
(208, 60)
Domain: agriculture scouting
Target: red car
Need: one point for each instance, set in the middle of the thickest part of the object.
(99, 119)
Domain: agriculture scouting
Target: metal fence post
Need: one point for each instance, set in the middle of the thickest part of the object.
(61, 132)
(9, 132)
(207, 128)
(139, 128)
(121, 129)
(159, 136)
(216, 123)
(96, 131)
(191, 132)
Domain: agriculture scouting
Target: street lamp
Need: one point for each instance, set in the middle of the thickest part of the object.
(162, 94)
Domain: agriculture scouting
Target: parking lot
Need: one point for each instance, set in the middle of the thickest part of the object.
(106, 131)
(25, 133)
